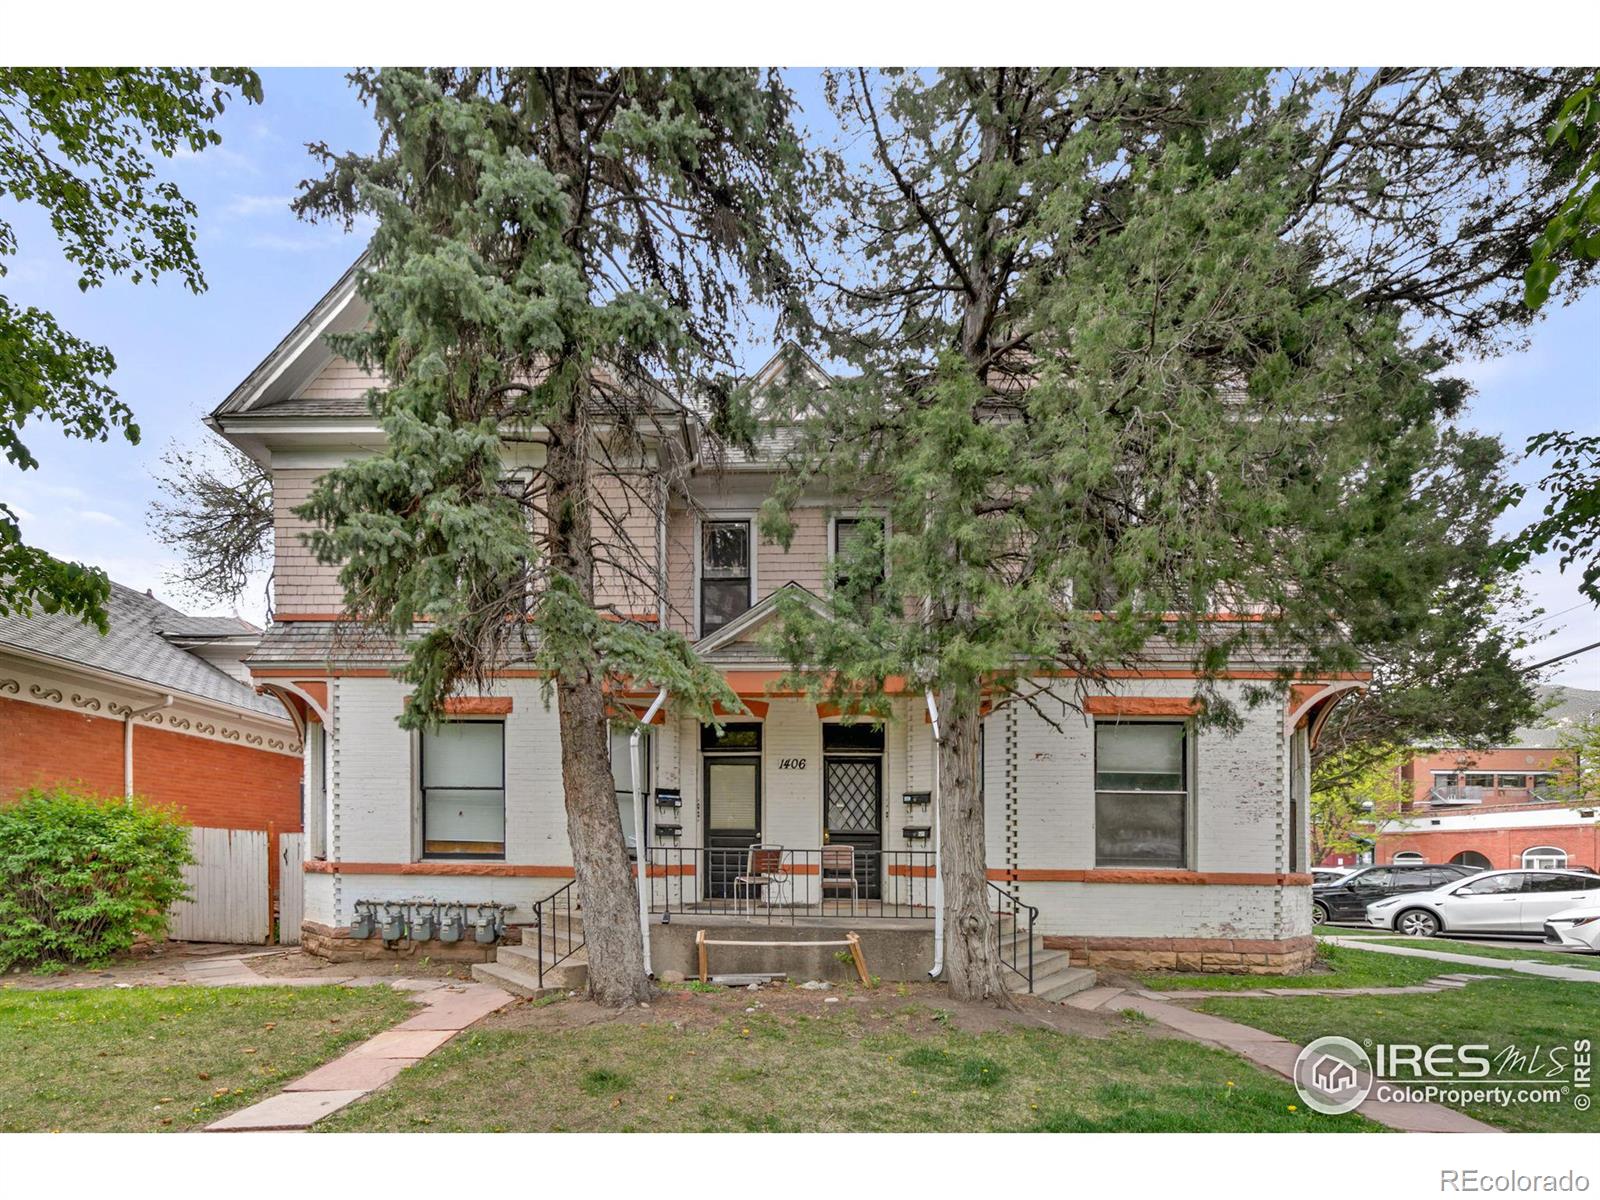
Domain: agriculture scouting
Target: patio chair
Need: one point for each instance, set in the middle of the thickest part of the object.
(763, 870)
(838, 872)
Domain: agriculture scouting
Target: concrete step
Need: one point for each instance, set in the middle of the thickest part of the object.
(527, 959)
(1064, 983)
(518, 983)
(560, 936)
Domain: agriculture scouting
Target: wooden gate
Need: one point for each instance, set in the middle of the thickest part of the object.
(291, 887)
(228, 889)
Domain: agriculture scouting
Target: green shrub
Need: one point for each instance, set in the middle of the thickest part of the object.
(82, 875)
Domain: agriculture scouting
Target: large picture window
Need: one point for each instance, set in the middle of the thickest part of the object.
(1141, 799)
(464, 790)
(724, 573)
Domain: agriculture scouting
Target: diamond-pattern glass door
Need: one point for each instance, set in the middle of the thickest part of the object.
(852, 796)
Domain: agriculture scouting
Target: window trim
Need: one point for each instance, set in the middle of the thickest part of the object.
(423, 854)
(748, 516)
(855, 514)
(1540, 863)
(1189, 808)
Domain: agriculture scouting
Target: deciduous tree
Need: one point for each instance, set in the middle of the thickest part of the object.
(83, 144)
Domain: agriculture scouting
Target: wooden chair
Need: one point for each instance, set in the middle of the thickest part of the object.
(838, 872)
(764, 870)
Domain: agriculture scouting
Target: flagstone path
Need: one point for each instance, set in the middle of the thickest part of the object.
(448, 1008)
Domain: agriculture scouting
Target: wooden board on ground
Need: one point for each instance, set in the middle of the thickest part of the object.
(852, 940)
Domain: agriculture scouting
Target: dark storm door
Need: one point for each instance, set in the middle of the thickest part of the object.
(852, 803)
(733, 819)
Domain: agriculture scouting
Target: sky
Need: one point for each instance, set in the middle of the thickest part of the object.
(180, 354)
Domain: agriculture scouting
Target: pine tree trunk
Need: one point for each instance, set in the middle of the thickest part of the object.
(971, 959)
(594, 827)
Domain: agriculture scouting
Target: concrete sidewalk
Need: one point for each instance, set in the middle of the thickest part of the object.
(1278, 1055)
(1521, 966)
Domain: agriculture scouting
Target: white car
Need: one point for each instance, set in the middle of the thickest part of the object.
(1575, 928)
(1489, 902)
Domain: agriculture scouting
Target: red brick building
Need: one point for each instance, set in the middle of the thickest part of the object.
(1498, 807)
(160, 707)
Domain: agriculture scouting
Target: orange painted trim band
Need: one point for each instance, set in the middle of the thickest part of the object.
(1120, 875)
(475, 706)
(489, 869)
(293, 673)
(916, 872)
(1140, 706)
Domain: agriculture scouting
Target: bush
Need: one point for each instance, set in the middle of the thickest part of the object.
(82, 875)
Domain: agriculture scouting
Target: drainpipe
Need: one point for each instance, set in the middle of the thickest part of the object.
(638, 823)
(127, 740)
(938, 867)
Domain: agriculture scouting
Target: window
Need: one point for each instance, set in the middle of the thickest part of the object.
(731, 737)
(724, 573)
(1141, 800)
(1445, 779)
(463, 790)
(1544, 856)
(1471, 858)
(854, 537)
(1375, 878)
(1408, 856)
(1559, 883)
(1491, 885)
(1480, 781)
(1517, 782)
(622, 777)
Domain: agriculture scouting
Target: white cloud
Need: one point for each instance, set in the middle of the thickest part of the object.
(95, 517)
(248, 205)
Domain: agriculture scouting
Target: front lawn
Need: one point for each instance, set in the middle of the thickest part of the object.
(1337, 967)
(153, 1059)
(699, 1062)
(1584, 962)
(1520, 1011)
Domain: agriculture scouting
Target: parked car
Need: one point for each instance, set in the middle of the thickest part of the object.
(1322, 876)
(1347, 899)
(1576, 928)
(1489, 902)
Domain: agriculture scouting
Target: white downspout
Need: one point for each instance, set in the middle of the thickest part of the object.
(638, 824)
(938, 867)
(127, 740)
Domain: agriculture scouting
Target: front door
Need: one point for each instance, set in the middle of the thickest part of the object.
(733, 819)
(852, 797)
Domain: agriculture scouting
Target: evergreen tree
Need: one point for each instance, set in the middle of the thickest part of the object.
(1114, 386)
(559, 254)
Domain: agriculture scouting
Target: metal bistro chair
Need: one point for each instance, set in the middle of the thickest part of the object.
(764, 870)
(838, 873)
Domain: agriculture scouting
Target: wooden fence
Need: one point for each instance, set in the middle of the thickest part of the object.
(291, 887)
(228, 888)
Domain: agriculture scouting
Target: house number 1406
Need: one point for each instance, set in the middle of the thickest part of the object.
(791, 764)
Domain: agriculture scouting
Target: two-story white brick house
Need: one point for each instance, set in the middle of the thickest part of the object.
(1140, 840)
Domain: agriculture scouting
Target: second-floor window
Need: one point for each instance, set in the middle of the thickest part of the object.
(856, 539)
(724, 573)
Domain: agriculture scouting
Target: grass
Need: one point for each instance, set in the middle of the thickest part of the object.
(878, 1070)
(1584, 962)
(155, 1059)
(1520, 1011)
(1345, 967)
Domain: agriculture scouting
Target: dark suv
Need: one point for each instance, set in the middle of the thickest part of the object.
(1347, 900)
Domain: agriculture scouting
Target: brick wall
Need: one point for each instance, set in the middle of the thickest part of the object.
(212, 783)
(1502, 847)
(1506, 760)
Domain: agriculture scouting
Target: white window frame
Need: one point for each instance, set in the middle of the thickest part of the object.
(749, 515)
(418, 792)
(1408, 858)
(1190, 791)
(1543, 858)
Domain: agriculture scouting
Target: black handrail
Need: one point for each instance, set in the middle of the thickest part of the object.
(704, 881)
(549, 913)
(1007, 944)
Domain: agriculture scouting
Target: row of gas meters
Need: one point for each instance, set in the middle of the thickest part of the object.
(425, 920)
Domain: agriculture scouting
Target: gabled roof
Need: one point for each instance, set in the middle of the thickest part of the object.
(143, 645)
(721, 644)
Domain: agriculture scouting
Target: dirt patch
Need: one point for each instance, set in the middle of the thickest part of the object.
(917, 1007)
(298, 964)
(151, 965)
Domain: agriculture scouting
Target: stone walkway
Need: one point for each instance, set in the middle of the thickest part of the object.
(1522, 966)
(1278, 1055)
(448, 1008)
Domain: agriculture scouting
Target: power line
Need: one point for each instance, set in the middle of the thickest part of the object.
(1554, 615)
(1550, 662)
